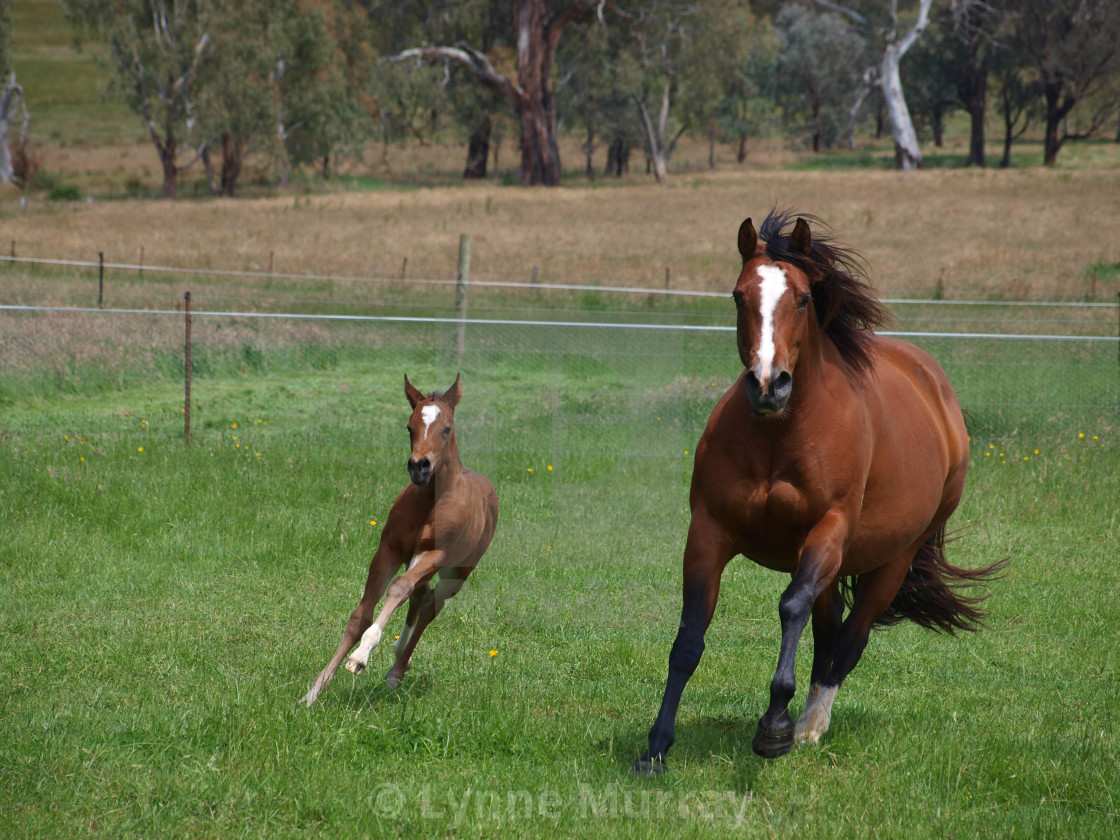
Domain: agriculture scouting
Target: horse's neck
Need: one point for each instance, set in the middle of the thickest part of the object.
(449, 479)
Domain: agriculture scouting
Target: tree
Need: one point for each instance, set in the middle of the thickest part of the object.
(884, 22)
(157, 48)
(13, 106)
(1074, 47)
(976, 27)
(819, 73)
(536, 31)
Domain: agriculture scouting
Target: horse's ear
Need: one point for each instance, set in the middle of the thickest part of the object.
(801, 240)
(414, 396)
(455, 392)
(748, 240)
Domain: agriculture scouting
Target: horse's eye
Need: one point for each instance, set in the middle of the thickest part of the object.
(446, 431)
(804, 302)
(738, 299)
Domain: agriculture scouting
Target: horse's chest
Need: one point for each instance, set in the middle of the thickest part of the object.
(773, 522)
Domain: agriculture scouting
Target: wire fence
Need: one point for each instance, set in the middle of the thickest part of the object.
(581, 370)
(584, 389)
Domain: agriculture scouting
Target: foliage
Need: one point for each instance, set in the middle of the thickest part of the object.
(819, 74)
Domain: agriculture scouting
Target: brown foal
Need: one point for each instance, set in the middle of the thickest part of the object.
(441, 524)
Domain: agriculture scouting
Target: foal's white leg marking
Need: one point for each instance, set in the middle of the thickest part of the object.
(359, 658)
(773, 286)
(814, 720)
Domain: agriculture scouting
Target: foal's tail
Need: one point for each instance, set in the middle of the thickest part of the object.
(931, 594)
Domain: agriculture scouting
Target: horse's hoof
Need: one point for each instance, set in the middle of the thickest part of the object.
(392, 680)
(772, 743)
(354, 666)
(646, 766)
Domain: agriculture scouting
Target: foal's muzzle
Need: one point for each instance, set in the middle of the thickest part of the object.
(772, 400)
(420, 471)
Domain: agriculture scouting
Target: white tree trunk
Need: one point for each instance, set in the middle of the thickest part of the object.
(12, 107)
(902, 126)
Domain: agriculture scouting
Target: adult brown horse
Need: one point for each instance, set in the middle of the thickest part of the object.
(441, 523)
(837, 455)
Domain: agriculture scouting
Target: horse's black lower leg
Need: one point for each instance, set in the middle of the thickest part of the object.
(683, 659)
(775, 729)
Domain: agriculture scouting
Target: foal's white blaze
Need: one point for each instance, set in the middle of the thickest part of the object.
(428, 414)
(774, 285)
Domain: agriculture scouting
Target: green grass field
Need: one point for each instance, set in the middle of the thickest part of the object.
(164, 608)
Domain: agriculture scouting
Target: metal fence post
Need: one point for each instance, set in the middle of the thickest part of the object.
(100, 277)
(462, 280)
(187, 374)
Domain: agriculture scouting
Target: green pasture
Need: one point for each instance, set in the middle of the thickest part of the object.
(164, 606)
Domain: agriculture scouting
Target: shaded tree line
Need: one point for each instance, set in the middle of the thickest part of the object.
(303, 82)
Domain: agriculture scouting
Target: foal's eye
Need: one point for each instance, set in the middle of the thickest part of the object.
(446, 431)
(804, 302)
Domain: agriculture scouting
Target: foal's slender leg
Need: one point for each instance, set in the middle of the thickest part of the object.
(450, 581)
(414, 602)
(381, 567)
(816, 572)
(705, 556)
(420, 571)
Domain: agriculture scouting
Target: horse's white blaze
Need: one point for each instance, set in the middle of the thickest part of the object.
(428, 414)
(814, 720)
(774, 285)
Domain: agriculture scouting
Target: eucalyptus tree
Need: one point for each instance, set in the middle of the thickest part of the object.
(1074, 50)
(893, 31)
(13, 106)
(518, 66)
(819, 78)
(157, 49)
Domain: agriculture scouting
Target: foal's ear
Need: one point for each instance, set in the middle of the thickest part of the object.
(801, 240)
(455, 392)
(414, 396)
(748, 240)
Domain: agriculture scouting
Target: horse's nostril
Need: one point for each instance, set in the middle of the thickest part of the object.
(783, 384)
(424, 464)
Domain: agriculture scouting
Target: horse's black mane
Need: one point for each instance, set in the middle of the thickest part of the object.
(846, 306)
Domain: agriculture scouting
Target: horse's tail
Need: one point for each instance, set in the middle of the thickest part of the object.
(931, 594)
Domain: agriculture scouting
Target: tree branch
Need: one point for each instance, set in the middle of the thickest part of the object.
(471, 59)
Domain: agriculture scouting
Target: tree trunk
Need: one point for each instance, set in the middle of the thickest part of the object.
(11, 103)
(974, 92)
(589, 151)
(741, 155)
(1057, 109)
(907, 153)
(537, 39)
(232, 156)
(167, 150)
(478, 151)
(1008, 130)
(712, 147)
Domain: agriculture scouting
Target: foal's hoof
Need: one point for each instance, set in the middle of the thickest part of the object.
(646, 766)
(355, 666)
(393, 680)
(772, 743)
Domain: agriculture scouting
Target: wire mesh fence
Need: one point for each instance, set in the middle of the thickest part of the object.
(585, 390)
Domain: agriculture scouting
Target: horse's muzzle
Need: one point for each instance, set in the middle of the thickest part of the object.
(773, 400)
(420, 471)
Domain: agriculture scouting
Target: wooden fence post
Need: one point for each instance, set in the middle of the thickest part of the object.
(462, 280)
(187, 374)
(100, 277)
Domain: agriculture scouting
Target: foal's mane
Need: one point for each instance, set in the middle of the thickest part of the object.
(847, 309)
